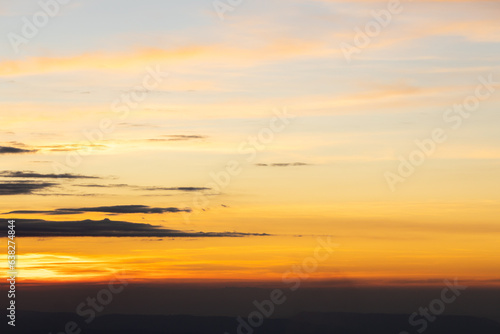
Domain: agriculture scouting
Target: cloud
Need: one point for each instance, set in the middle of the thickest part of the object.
(275, 50)
(14, 150)
(75, 147)
(137, 125)
(288, 164)
(22, 187)
(7, 132)
(178, 138)
(187, 189)
(103, 185)
(33, 175)
(17, 147)
(55, 212)
(107, 228)
(63, 194)
(118, 209)
(146, 188)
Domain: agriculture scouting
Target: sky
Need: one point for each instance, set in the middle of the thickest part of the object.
(182, 141)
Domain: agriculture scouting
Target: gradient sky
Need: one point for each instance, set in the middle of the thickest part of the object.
(322, 175)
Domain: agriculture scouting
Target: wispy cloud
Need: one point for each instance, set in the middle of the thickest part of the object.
(287, 164)
(137, 125)
(74, 147)
(273, 50)
(178, 138)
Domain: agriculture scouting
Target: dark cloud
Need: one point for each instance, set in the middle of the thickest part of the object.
(106, 209)
(290, 164)
(14, 150)
(22, 187)
(55, 212)
(186, 189)
(31, 174)
(107, 228)
(103, 185)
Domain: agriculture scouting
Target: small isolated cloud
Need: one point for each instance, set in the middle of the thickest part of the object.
(14, 150)
(289, 164)
(108, 228)
(22, 187)
(33, 175)
(116, 209)
(7, 132)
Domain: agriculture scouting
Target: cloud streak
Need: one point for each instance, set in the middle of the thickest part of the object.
(14, 150)
(108, 228)
(34, 175)
(186, 189)
(23, 187)
(146, 188)
(288, 164)
(272, 50)
(117, 209)
(178, 138)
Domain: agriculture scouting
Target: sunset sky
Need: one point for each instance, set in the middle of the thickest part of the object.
(214, 86)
